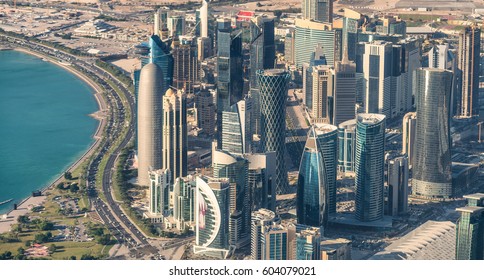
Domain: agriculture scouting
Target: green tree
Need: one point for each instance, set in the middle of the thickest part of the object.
(52, 248)
(60, 186)
(105, 239)
(74, 188)
(23, 219)
(68, 175)
(72, 258)
(7, 255)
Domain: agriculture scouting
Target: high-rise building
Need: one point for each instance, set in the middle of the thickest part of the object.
(347, 147)
(440, 56)
(391, 25)
(236, 127)
(352, 22)
(308, 35)
(289, 47)
(397, 184)
(318, 10)
(432, 175)
(317, 58)
(369, 166)
(149, 117)
(323, 86)
(212, 217)
(184, 191)
(160, 54)
(273, 85)
(175, 143)
(409, 62)
(470, 229)
(229, 66)
(204, 19)
(159, 191)
(160, 21)
(176, 23)
(261, 181)
(468, 64)
(262, 56)
(205, 111)
(204, 45)
(308, 244)
(376, 69)
(409, 125)
(236, 169)
(316, 187)
(261, 219)
(185, 69)
(277, 240)
(344, 95)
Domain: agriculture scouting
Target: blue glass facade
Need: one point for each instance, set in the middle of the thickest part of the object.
(369, 166)
(161, 56)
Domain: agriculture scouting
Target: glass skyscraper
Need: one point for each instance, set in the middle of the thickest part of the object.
(316, 187)
(318, 10)
(261, 219)
(273, 84)
(346, 147)
(369, 166)
(470, 229)
(236, 127)
(432, 175)
(308, 35)
(160, 54)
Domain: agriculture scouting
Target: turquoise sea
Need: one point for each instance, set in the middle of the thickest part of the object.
(44, 123)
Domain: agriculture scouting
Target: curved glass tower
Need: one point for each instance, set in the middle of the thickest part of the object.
(273, 92)
(316, 186)
(346, 147)
(432, 175)
(369, 166)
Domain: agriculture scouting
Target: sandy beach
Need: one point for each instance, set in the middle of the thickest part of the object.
(7, 220)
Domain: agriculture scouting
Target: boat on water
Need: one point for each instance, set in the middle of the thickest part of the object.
(6, 201)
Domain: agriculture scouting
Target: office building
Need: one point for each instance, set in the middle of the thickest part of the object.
(347, 147)
(431, 165)
(260, 219)
(289, 47)
(323, 86)
(204, 50)
(397, 186)
(185, 69)
(409, 125)
(391, 25)
(262, 56)
(308, 35)
(470, 229)
(369, 166)
(352, 23)
(212, 217)
(160, 54)
(316, 192)
(335, 249)
(160, 21)
(376, 69)
(317, 58)
(277, 241)
(344, 95)
(261, 181)
(236, 169)
(440, 56)
(273, 85)
(318, 10)
(205, 111)
(159, 191)
(236, 127)
(410, 60)
(184, 190)
(308, 244)
(149, 117)
(468, 60)
(176, 24)
(175, 144)
(204, 19)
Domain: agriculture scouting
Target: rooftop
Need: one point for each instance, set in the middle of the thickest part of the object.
(470, 209)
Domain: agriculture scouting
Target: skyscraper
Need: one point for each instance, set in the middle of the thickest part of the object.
(352, 22)
(409, 62)
(176, 23)
(212, 217)
(397, 186)
(205, 111)
(376, 63)
(150, 116)
(261, 219)
(369, 166)
(409, 125)
(204, 19)
(159, 191)
(344, 95)
(184, 191)
(261, 181)
(318, 10)
(308, 35)
(432, 175)
(273, 84)
(236, 127)
(262, 56)
(468, 64)
(470, 229)
(160, 55)
(317, 177)
(347, 147)
(235, 168)
(439, 56)
(308, 244)
(175, 145)
(317, 58)
(186, 68)
(323, 86)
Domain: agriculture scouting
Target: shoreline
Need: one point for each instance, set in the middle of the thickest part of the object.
(97, 136)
